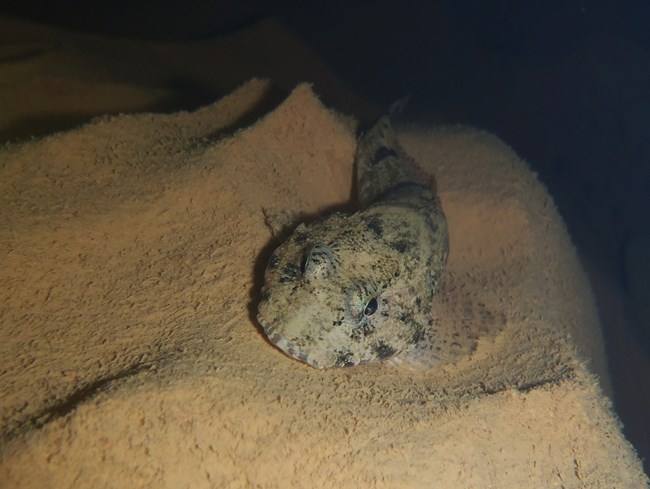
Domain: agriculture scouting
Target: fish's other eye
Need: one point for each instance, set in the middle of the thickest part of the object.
(303, 262)
(371, 307)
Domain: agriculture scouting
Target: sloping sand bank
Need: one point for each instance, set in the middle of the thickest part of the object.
(132, 252)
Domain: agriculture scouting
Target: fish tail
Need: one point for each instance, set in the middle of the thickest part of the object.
(382, 164)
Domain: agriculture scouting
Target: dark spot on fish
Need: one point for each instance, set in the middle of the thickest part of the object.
(362, 331)
(432, 225)
(383, 153)
(303, 356)
(343, 358)
(289, 273)
(301, 237)
(383, 350)
(265, 295)
(374, 225)
(418, 301)
(407, 189)
(417, 336)
(401, 245)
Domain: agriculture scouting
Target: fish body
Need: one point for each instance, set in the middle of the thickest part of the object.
(350, 289)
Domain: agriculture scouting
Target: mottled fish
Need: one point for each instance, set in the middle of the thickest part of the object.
(350, 289)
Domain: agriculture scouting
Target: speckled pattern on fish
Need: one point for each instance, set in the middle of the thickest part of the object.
(349, 289)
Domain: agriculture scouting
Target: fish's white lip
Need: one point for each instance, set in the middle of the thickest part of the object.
(287, 347)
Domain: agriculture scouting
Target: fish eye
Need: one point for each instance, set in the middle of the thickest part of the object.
(371, 307)
(303, 262)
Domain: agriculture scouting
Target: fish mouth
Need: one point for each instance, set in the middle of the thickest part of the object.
(286, 346)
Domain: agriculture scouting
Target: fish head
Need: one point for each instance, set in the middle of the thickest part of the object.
(334, 295)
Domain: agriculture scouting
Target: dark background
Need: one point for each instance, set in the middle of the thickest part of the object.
(565, 83)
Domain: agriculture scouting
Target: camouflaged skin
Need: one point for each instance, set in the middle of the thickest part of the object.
(349, 289)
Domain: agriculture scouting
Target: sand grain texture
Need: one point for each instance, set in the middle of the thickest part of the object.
(131, 250)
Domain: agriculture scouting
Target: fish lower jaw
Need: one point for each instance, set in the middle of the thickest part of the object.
(286, 346)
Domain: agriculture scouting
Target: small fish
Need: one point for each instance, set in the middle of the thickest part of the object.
(351, 289)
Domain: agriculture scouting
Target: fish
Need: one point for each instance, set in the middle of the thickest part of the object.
(349, 289)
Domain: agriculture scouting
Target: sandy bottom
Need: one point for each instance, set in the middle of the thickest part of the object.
(132, 255)
(132, 251)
